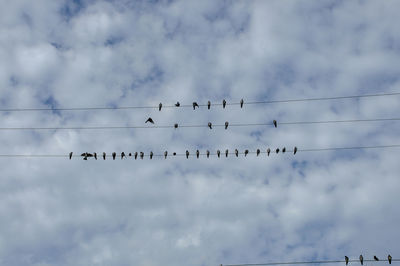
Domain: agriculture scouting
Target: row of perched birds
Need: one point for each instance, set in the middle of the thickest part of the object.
(210, 125)
(195, 104)
(361, 258)
(123, 155)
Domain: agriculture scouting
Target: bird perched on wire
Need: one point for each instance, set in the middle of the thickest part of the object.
(149, 120)
(236, 152)
(141, 155)
(208, 153)
(104, 155)
(346, 259)
(226, 124)
(210, 125)
(165, 154)
(177, 104)
(159, 107)
(195, 105)
(208, 105)
(376, 258)
(361, 259)
(70, 155)
(277, 150)
(187, 154)
(218, 153)
(113, 155)
(246, 152)
(197, 154)
(226, 153)
(294, 150)
(151, 155)
(284, 150)
(223, 103)
(258, 152)
(123, 155)
(136, 154)
(268, 151)
(85, 155)
(241, 103)
(176, 125)
(390, 259)
(95, 155)
(275, 123)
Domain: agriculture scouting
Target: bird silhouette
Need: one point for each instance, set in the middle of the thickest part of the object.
(176, 126)
(376, 258)
(210, 125)
(165, 154)
(241, 103)
(295, 150)
(136, 154)
(159, 107)
(208, 153)
(151, 155)
(362, 259)
(226, 124)
(390, 259)
(268, 151)
(85, 155)
(208, 105)
(123, 155)
(223, 103)
(275, 123)
(218, 153)
(258, 152)
(195, 105)
(246, 152)
(95, 155)
(346, 259)
(130, 154)
(226, 153)
(104, 155)
(277, 150)
(70, 155)
(141, 155)
(284, 150)
(177, 104)
(113, 155)
(187, 154)
(149, 120)
(236, 152)
(197, 154)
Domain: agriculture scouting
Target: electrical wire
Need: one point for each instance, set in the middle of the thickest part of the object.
(204, 126)
(191, 105)
(306, 262)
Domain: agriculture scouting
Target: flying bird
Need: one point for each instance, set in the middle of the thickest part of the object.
(176, 126)
(159, 107)
(223, 103)
(246, 152)
(258, 152)
(362, 259)
(195, 105)
(295, 150)
(136, 155)
(277, 150)
(268, 151)
(284, 149)
(70, 155)
(197, 154)
(104, 155)
(149, 120)
(376, 258)
(151, 155)
(177, 104)
(275, 123)
(226, 153)
(95, 155)
(241, 103)
(226, 124)
(210, 125)
(113, 155)
(123, 155)
(236, 152)
(141, 155)
(209, 105)
(208, 153)
(218, 153)
(390, 259)
(187, 154)
(346, 259)
(165, 154)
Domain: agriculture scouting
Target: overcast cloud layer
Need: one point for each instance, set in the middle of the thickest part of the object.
(315, 205)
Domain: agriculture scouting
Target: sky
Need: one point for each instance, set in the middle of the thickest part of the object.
(178, 211)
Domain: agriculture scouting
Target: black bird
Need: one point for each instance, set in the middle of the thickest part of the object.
(362, 259)
(141, 155)
(223, 103)
(246, 152)
(275, 123)
(210, 125)
(165, 154)
(195, 105)
(390, 259)
(84, 155)
(104, 155)
(136, 155)
(130, 154)
(187, 154)
(346, 259)
(226, 153)
(208, 154)
(241, 103)
(218, 153)
(149, 120)
(284, 150)
(177, 104)
(159, 107)
(258, 152)
(236, 152)
(197, 154)
(70, 155)
(226, 124)
(277, 150)
(209, 105)
(95, 155)
(376, 258)
(295, 150)
(174, 154)
(123, 155)
(151, 155)
(268, 151)
(113, 155)
(176, 126)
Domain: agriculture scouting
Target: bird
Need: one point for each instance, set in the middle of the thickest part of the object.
(149, 120)
(123, 155)
(187, 154)
(165, 154)
(177, 104)
(241, 103)
(95, 155)
(226, 153)
(277, 150)
(268, 151)
(210, 125)
(226, 124)
(376, 258)
(258, 152)
(130, 154)
(113, 155)
(104, 155)
(141, 155)
(223, 103)
(346, 259)
(151, 155)
(284, 149)
(176, 126)
(159, 107)
(84, 156)
(390, 259)
(70, 155)
(208, 154)
(275, 123)
(208, 105)
(136, 155)
(236, 152)
(295, 150)
(218, 153)
(362, 259)
(174, 154)
(197, 153)
(195, 105)
(246, 152)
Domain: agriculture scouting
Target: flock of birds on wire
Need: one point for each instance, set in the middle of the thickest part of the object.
(361, 258)
(141, 154)
(195, 104)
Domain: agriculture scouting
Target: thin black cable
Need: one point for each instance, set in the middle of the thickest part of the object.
(190, 105)
(204, 126)
(306, 262)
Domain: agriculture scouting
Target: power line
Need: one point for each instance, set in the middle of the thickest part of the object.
(203, 126)
(200, 105)
(305, 262)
